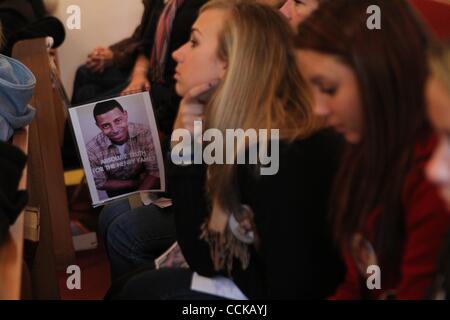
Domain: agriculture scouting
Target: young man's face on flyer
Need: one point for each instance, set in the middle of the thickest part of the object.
(114, 125)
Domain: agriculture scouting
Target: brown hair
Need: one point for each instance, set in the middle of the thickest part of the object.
(391, 67)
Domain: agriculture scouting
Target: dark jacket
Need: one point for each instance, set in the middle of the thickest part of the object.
(12, 162)
(16, 15)
(296, 258)
(29, 10)
(141, 42)
(164, 96)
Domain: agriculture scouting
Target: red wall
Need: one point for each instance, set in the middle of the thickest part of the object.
(437, 14)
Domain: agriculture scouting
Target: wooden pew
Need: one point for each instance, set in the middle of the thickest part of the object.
(60, 99)
(11, 253)
(46, 176)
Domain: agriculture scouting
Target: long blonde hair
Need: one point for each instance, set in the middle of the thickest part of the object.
(262, 89)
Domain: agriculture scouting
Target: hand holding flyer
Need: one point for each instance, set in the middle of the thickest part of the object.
(119, 147)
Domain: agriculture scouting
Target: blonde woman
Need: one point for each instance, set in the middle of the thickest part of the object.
(266, 232)
(438, 170)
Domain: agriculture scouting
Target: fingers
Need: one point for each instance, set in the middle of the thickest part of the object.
(146, 86)
(193, 104)
(92, 65)
(135, 87)
(98, 68)
(202, 92)
(108, 54)
(99, 50)
(93, 53)
(189, 112)
(98, 53)
(127, 91)
(90, 62)
(96, 65)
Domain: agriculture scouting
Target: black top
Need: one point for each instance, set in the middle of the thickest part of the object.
(16, 15)
(28, 9)
(12, 201)
(164, 97)
(141, 42)
(296, 258)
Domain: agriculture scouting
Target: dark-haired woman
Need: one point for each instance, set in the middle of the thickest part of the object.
(388, 219)
(438, 170)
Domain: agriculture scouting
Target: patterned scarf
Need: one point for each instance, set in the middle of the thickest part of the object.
(162, 38)
(230, 237)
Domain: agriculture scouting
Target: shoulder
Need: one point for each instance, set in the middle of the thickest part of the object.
(415, 178)
(138, 128)
(96, 144)
(316, 157)
(421, 198)
(322, 143)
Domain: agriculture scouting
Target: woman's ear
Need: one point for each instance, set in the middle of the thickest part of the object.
(223, 70)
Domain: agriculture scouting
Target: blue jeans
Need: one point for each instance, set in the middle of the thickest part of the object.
(135, 237)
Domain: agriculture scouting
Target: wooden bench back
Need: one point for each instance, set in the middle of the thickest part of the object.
(46, 175)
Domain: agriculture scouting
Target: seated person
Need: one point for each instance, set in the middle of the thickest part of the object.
(25, 19)
(134, 238)
(266, 232)
(156, 71)
(147, 59)
(107, 68)
(388, 220)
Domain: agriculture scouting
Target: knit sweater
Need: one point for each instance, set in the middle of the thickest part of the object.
(295, 258)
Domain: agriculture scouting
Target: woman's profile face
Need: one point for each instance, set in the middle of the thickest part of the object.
(298, 10)
(335, 91)
(197, 60)
(438, 169)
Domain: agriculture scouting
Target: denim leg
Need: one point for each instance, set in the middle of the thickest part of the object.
(110, 213)
(135, 237)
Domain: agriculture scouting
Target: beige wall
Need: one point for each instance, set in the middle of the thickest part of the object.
(103, 22)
